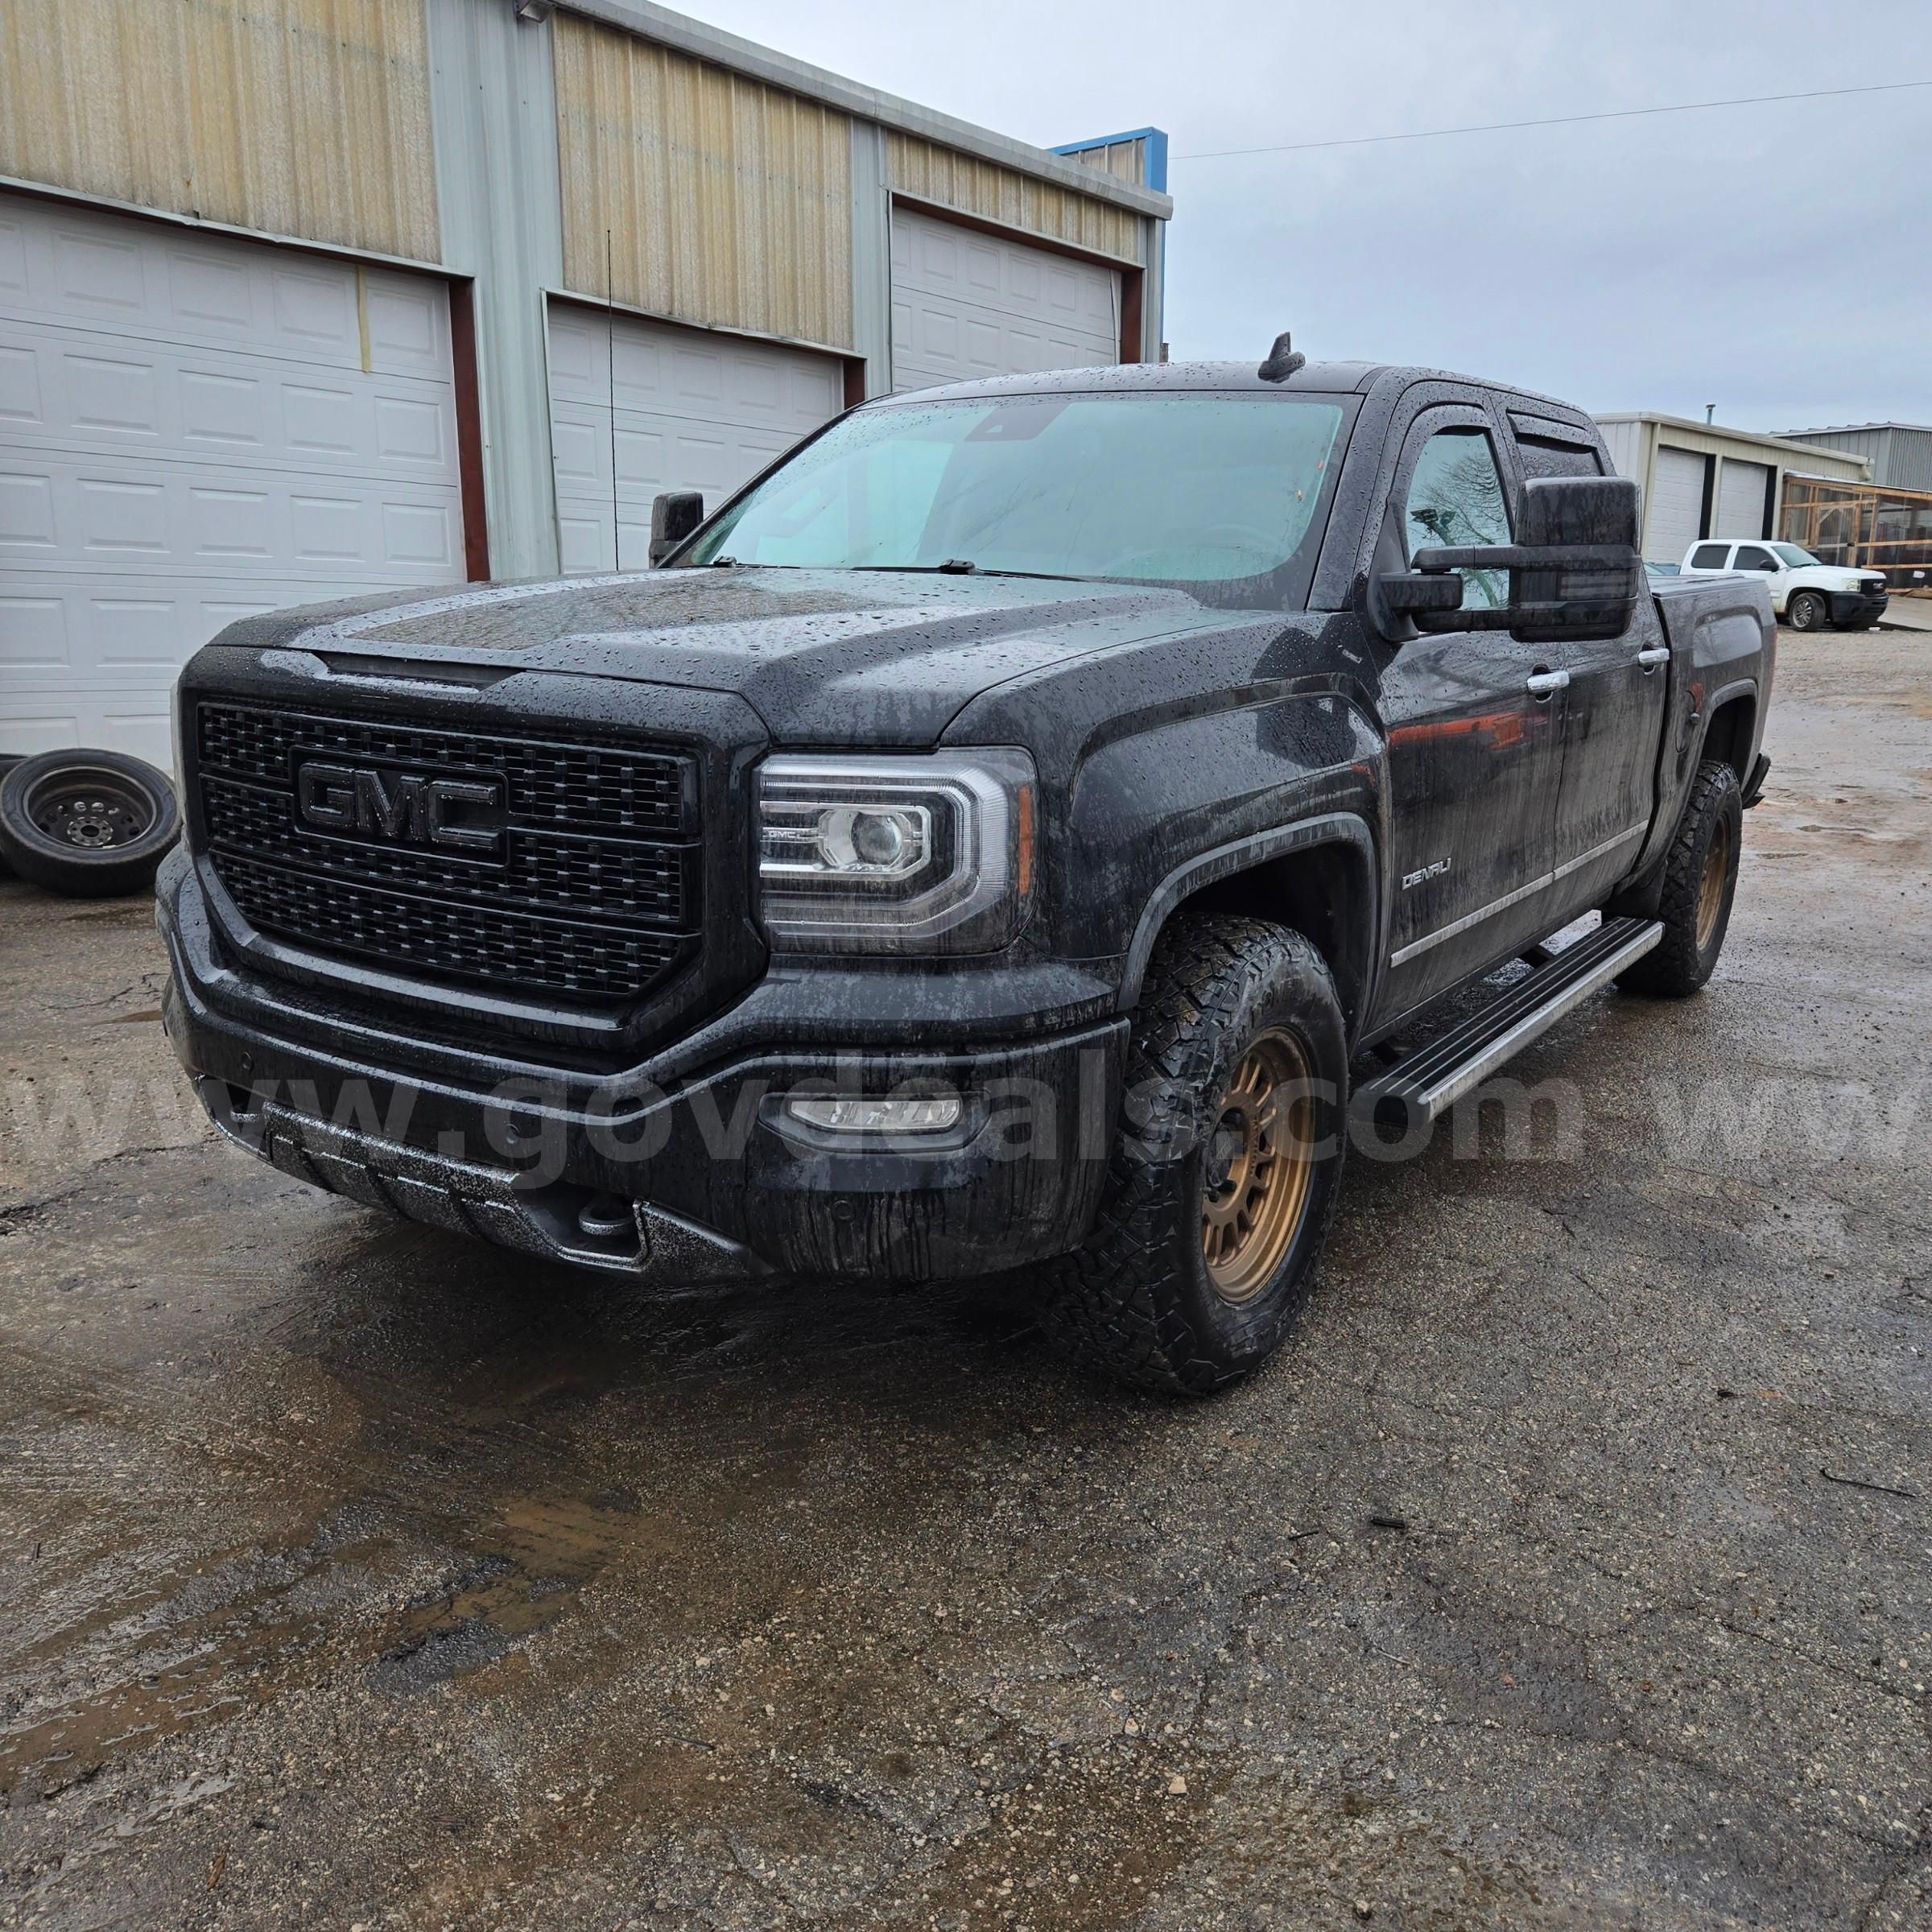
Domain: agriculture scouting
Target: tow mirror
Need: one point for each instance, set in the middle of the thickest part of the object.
(674, 514)
(1573, 570)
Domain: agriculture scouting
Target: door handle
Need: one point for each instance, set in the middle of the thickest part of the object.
(1657, 654)
(1546, 683)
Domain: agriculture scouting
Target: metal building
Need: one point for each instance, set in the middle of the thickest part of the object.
(1703, 479)
(302, 297)
(1900, 453)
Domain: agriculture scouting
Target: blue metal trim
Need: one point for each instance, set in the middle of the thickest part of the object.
(1156, 138)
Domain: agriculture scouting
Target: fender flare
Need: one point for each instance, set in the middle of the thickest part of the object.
(1243, 855)
(1715, 703)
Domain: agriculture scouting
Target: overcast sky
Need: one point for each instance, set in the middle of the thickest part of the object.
(1776, 261)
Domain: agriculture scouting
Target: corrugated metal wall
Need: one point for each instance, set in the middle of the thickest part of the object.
(304, 117)
(940, 174)
(1124, 160)
(1900, 455)
(727, 202)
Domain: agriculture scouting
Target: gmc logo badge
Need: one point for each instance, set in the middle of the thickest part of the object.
(408, 808)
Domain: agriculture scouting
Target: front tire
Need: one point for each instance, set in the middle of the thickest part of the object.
(1807, 611)
(1226, 1173)
(1700, 885)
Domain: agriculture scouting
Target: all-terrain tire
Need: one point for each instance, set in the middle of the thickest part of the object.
(1137, 1299)
(1807, 611)
(1700, 883)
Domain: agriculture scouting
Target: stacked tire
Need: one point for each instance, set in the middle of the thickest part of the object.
(90, 824)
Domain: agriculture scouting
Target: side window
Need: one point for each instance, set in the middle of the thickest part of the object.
(1546, 456)
(1710, 556)
(1752, 556)
(1456, 500)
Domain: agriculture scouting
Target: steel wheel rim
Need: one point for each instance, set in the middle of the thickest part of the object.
(1258, 1168)
(83, 810)
(1711, 888)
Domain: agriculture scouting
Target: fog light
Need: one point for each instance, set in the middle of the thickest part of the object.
(830, 1113)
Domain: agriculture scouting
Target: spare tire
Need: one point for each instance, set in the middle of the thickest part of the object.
(8, 761)
(93, 824)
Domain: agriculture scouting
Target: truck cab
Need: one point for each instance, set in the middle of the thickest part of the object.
(1806, 593)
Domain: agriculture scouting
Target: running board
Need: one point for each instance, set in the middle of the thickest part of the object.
(1435, 1076)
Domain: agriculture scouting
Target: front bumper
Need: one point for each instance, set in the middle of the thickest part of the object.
(710, 1177)
(1858, 607)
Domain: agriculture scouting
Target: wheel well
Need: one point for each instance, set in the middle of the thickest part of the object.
(1325, 893)
(1729, 734)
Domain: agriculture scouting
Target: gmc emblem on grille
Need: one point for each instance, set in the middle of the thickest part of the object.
(410, 807)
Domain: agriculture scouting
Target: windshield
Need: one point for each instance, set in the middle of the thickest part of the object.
(1216, 492)
(1792, 555)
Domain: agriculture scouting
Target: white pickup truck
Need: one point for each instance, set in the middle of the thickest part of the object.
(1806, 594)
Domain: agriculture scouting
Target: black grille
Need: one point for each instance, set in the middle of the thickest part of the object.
(592, 891)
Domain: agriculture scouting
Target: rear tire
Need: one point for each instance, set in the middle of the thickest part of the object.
(1700, 884)
(93, 824)
(1807, 611)
(1226, 1173)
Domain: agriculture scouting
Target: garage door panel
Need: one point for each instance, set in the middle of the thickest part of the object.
(180, 518)
(693, 412)
(180, 406)
(149, 284)
(1677, 506)
(968, 305)
(33, 631)
(1741, 490)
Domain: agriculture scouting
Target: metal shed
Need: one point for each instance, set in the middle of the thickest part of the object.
(1703, 479)
(1900, 453)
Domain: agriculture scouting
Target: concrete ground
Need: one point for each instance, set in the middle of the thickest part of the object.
(1570, 1570)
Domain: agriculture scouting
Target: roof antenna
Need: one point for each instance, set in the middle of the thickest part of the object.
(1282, 361)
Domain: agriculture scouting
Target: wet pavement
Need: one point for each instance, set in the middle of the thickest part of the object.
(1571, 1569)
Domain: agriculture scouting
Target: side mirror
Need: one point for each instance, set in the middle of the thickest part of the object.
(1573, 570)
(674, 514)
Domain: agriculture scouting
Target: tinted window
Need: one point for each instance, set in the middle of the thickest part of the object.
(1545, 456)
(1455, 501)
(1753, 556)
(1218, 493)
(1710, 556)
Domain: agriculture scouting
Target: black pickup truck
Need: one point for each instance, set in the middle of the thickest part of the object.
(985, 843)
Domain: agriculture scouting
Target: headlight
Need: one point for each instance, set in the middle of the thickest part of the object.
(896, 854)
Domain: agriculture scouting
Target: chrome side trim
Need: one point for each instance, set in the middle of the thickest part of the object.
(1415, 947)
(1599, 851)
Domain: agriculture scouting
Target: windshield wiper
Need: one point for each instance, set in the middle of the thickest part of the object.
(959, 566)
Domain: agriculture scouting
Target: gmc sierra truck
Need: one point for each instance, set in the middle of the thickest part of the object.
(984, 843)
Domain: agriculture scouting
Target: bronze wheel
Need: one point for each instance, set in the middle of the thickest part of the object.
(1711, 887)
(1257, 1167)
(1228, 1164)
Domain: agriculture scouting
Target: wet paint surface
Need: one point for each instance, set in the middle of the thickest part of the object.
(1569, 1569)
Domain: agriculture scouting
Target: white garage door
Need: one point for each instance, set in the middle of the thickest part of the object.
(1677, 505)
(194, 428)
(967, 305)
(695, 410)
(1741, 488)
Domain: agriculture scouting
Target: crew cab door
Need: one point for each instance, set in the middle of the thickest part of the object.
(1473, 721)
(1613, 718)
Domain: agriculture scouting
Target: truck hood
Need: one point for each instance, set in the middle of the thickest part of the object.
(1828, 576)
(850, 657)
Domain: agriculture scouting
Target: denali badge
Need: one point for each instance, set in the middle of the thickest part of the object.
(1434, 870)
(409, 806)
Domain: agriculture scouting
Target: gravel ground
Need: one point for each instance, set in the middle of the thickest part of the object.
(1569, 1570)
